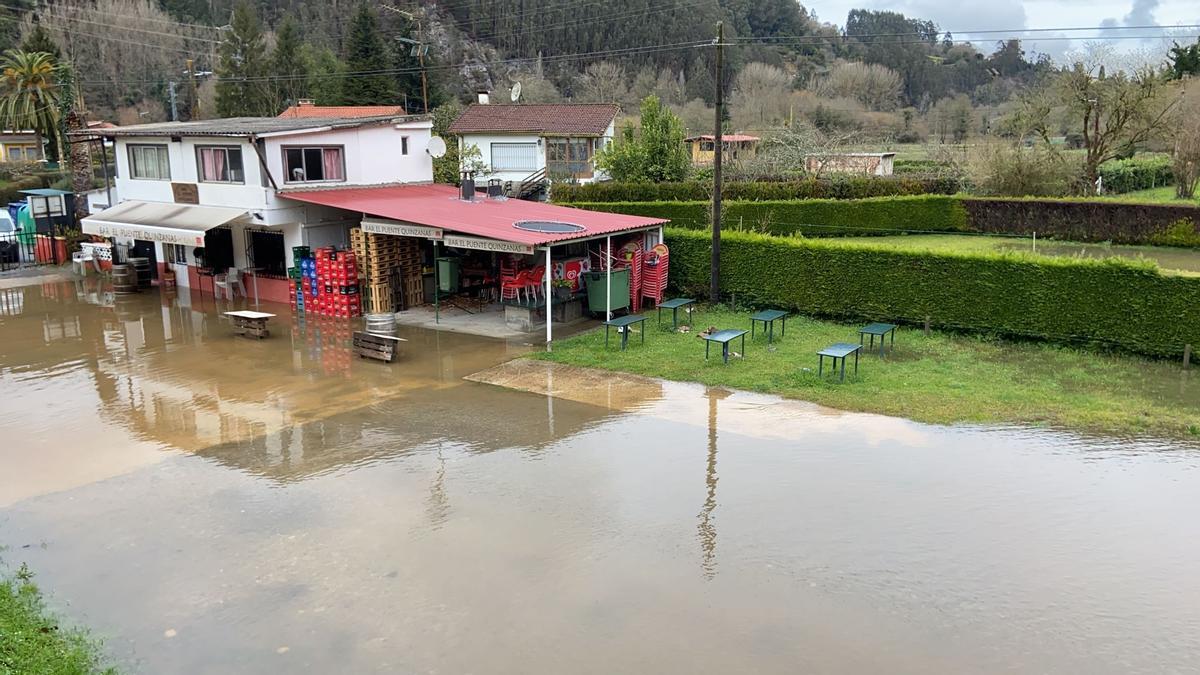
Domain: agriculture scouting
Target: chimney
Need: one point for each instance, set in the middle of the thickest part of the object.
(468, 186)
(483, 97)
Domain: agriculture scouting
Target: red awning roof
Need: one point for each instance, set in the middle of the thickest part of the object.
(439, 206)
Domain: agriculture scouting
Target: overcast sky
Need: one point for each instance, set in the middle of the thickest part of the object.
(963, 16)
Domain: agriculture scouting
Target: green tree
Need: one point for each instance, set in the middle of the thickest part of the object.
(1184, 60)
(408, 68)
(30, 97)
(38, 40)
(445, 168)
(654, 153)
(289, 71)
(367, 60)
(326, 74)
(242, 88)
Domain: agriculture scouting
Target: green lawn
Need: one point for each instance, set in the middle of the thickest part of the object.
(942, 378)
(1171, 260)
(1159, 195)
(33, 641)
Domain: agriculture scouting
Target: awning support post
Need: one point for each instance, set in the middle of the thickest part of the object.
(549, 315)
(437, 310)
(608, 262)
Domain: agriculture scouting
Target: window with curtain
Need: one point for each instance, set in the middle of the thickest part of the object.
(149, 162)
(220, 164)
(514, 156)
(313, 164)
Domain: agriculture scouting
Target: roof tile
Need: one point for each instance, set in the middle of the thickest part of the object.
(567, 119)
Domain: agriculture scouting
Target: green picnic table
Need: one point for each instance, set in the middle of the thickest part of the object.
(837, 351)
(877, 329)
(623, 324)
(767, 318)
(674, 304)
(724, 337)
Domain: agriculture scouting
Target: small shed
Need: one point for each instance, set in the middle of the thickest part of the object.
(859, 163)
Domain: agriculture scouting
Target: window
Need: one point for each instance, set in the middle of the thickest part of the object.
(569, 156)
(514, 156)
(265, 250)
(22, 153)
(220, 164)
(175, 253)
(313, 164)
(149, 162)
(404, 145)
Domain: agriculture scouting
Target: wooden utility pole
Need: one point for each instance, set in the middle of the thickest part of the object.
(714, 289)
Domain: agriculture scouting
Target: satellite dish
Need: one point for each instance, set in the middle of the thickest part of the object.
(516, 92)
(437, 147)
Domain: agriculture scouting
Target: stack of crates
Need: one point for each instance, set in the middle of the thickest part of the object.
(296, 276)
(328, 284)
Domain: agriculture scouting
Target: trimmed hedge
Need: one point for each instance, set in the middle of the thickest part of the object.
(1115, 303)
(1083, 220)
(1136, 173)
(810, 217)
(841, 187)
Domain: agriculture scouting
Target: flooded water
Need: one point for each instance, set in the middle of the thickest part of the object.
(210, 504)
(1182, 260)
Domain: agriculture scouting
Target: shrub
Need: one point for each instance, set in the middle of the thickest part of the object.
(809, 217)
(1115, 303)
(1137, 173)
(1079, 219)
(1008, 170)
(839, 187)
(11, 192)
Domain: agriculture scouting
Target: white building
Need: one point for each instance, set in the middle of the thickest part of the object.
(526, 145)
(208, 195)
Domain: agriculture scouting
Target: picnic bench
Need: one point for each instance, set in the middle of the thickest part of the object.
(674, 304)
(376, 346)
(837, 351)
(623, 325)
(250, 324)
(724, 337)
(880, 330)
(767, 318)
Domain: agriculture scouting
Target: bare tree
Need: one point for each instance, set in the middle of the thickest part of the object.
(873, 85)
(791, 149)
(603, 82)
(1186, 156)
(760, 96)
(1114, 113)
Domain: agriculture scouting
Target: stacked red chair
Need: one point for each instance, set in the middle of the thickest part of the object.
(631, 255)
(654, 273)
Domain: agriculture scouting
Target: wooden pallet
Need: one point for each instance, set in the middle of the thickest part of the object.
(376, 346)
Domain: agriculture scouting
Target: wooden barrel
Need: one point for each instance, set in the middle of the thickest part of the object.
(124, 279)
(142, 271)
(382, 323)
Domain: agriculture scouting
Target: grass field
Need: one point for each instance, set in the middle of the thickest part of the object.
(1159, 195)
(1171, 260)
(942, 378)
(33, 641)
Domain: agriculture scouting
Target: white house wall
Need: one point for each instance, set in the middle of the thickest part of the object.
(484, 143)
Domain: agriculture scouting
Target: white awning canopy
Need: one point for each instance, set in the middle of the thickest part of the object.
(159, 221)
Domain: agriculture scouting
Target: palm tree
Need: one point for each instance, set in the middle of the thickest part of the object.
(29, 93)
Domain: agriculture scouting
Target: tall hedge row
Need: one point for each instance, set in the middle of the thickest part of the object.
(1122, 304)
(1084, 220)
(1064, 219)
(810, 217)
(838, 187)
(1137, 173)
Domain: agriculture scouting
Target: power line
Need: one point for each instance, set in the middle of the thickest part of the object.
(50, 9)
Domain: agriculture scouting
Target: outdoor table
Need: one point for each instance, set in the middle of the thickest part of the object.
(623, 324)
(838, 351)
(674, 304)
(880, 329)
(724, 337)
(767, 318)
(248, 323)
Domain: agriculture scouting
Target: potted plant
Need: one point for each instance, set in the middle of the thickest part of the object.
(562, 288)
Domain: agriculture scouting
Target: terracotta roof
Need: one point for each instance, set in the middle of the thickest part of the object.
(439, 206)
(728, 138)
(306, 109)
(564, 119)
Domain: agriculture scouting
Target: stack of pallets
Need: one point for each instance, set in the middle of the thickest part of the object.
(392, 267)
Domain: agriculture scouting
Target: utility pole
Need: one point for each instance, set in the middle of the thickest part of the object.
(174, 106)
(193, 95)
(418, 46)
(714, 290)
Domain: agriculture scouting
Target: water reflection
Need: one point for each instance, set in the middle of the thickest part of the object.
(708, 529)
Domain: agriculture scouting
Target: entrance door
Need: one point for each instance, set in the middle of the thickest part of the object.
(176, 258)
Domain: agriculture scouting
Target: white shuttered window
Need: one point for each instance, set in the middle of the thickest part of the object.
(514, 156)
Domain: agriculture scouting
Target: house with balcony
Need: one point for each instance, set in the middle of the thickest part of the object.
(528, 146)
(201, 198)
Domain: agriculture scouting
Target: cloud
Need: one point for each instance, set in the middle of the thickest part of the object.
(1142, 13)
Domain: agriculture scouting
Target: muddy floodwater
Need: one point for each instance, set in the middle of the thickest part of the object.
(210, 504)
